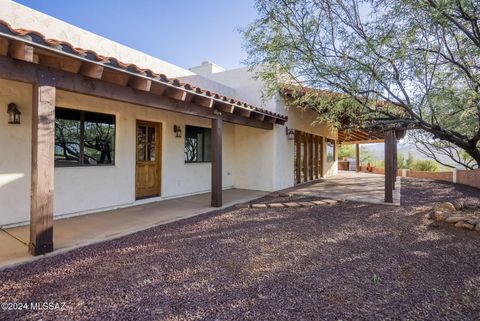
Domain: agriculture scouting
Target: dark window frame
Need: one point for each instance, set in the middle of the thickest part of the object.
(60, 163)
(197, 128)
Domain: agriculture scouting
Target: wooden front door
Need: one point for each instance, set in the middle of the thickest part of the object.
(148, 165)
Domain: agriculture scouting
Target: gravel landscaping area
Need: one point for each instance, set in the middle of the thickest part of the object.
(346, 261)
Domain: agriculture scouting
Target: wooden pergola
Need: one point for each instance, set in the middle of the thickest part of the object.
(390, 138)
(27, 56)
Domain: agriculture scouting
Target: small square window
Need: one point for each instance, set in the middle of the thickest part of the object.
(197, 144)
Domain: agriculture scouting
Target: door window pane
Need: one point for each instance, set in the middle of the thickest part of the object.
(151, 147)
(141, 143)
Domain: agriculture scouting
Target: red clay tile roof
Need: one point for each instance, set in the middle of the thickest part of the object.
(66, 47)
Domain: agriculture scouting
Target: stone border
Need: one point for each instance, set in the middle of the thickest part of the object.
(453, 213)
(288, 204)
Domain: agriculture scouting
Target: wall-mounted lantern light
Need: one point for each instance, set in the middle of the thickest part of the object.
(290, 133)
(177, 130)
(13, 114)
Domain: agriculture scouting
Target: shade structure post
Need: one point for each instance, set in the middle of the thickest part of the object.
(389, 141)
(217, 125)
(357, 157)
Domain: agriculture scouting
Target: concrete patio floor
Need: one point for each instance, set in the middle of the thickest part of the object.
(82, 230)
(361, 187)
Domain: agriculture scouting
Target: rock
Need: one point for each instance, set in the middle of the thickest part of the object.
(259, 205)
(441, 215)
(464, 225)
(244, 205)
(329, 201)
(306, 203)
(431, 214)
(471, 204)
(445, 206)
(454, 219)
(473, 221)
(458, 204)
(477, 228)
(291, 204)
(319, 202)
(276, 205)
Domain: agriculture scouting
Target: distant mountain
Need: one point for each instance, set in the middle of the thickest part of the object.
(377, 151)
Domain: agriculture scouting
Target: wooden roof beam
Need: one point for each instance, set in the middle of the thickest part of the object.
(91, 70)
(242, 111)
(269, 119)
(140, 83)
(203, 101)
(176, 93)
(3, 46)
(223, 106)
(257, 116)
(115, 77)
(62, 63)
(158, 88)
(21, 51)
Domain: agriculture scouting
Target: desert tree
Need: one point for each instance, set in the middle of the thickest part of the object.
(377, 65)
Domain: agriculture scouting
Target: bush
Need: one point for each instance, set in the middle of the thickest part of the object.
(424, 165)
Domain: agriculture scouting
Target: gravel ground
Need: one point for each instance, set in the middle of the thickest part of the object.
(348, 261)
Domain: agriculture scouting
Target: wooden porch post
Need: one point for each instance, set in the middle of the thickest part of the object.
(43, 141)
(395, 165)
(216, 162)
(305, 157)
(357, 156)
(298, 161)
(389, 166)
(316, 164)
(310, 157)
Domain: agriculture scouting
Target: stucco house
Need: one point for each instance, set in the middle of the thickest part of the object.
(103, 126)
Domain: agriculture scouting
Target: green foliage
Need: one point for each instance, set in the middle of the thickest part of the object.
(346, 151)
(427, 165)
(375, 64)
(365, 156)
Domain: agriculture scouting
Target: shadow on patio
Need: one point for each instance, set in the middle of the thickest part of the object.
(360, 187)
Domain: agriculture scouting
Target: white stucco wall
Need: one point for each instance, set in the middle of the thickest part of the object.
(15, 153)
(104, 187)
(87, 189)
(19, 16)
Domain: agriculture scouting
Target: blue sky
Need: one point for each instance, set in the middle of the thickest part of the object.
(182, 32)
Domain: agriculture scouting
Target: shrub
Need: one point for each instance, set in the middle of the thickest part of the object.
(424, 165)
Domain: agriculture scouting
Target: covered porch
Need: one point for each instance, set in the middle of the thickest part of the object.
(93, 228)
(52, 71)
(352, 186)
